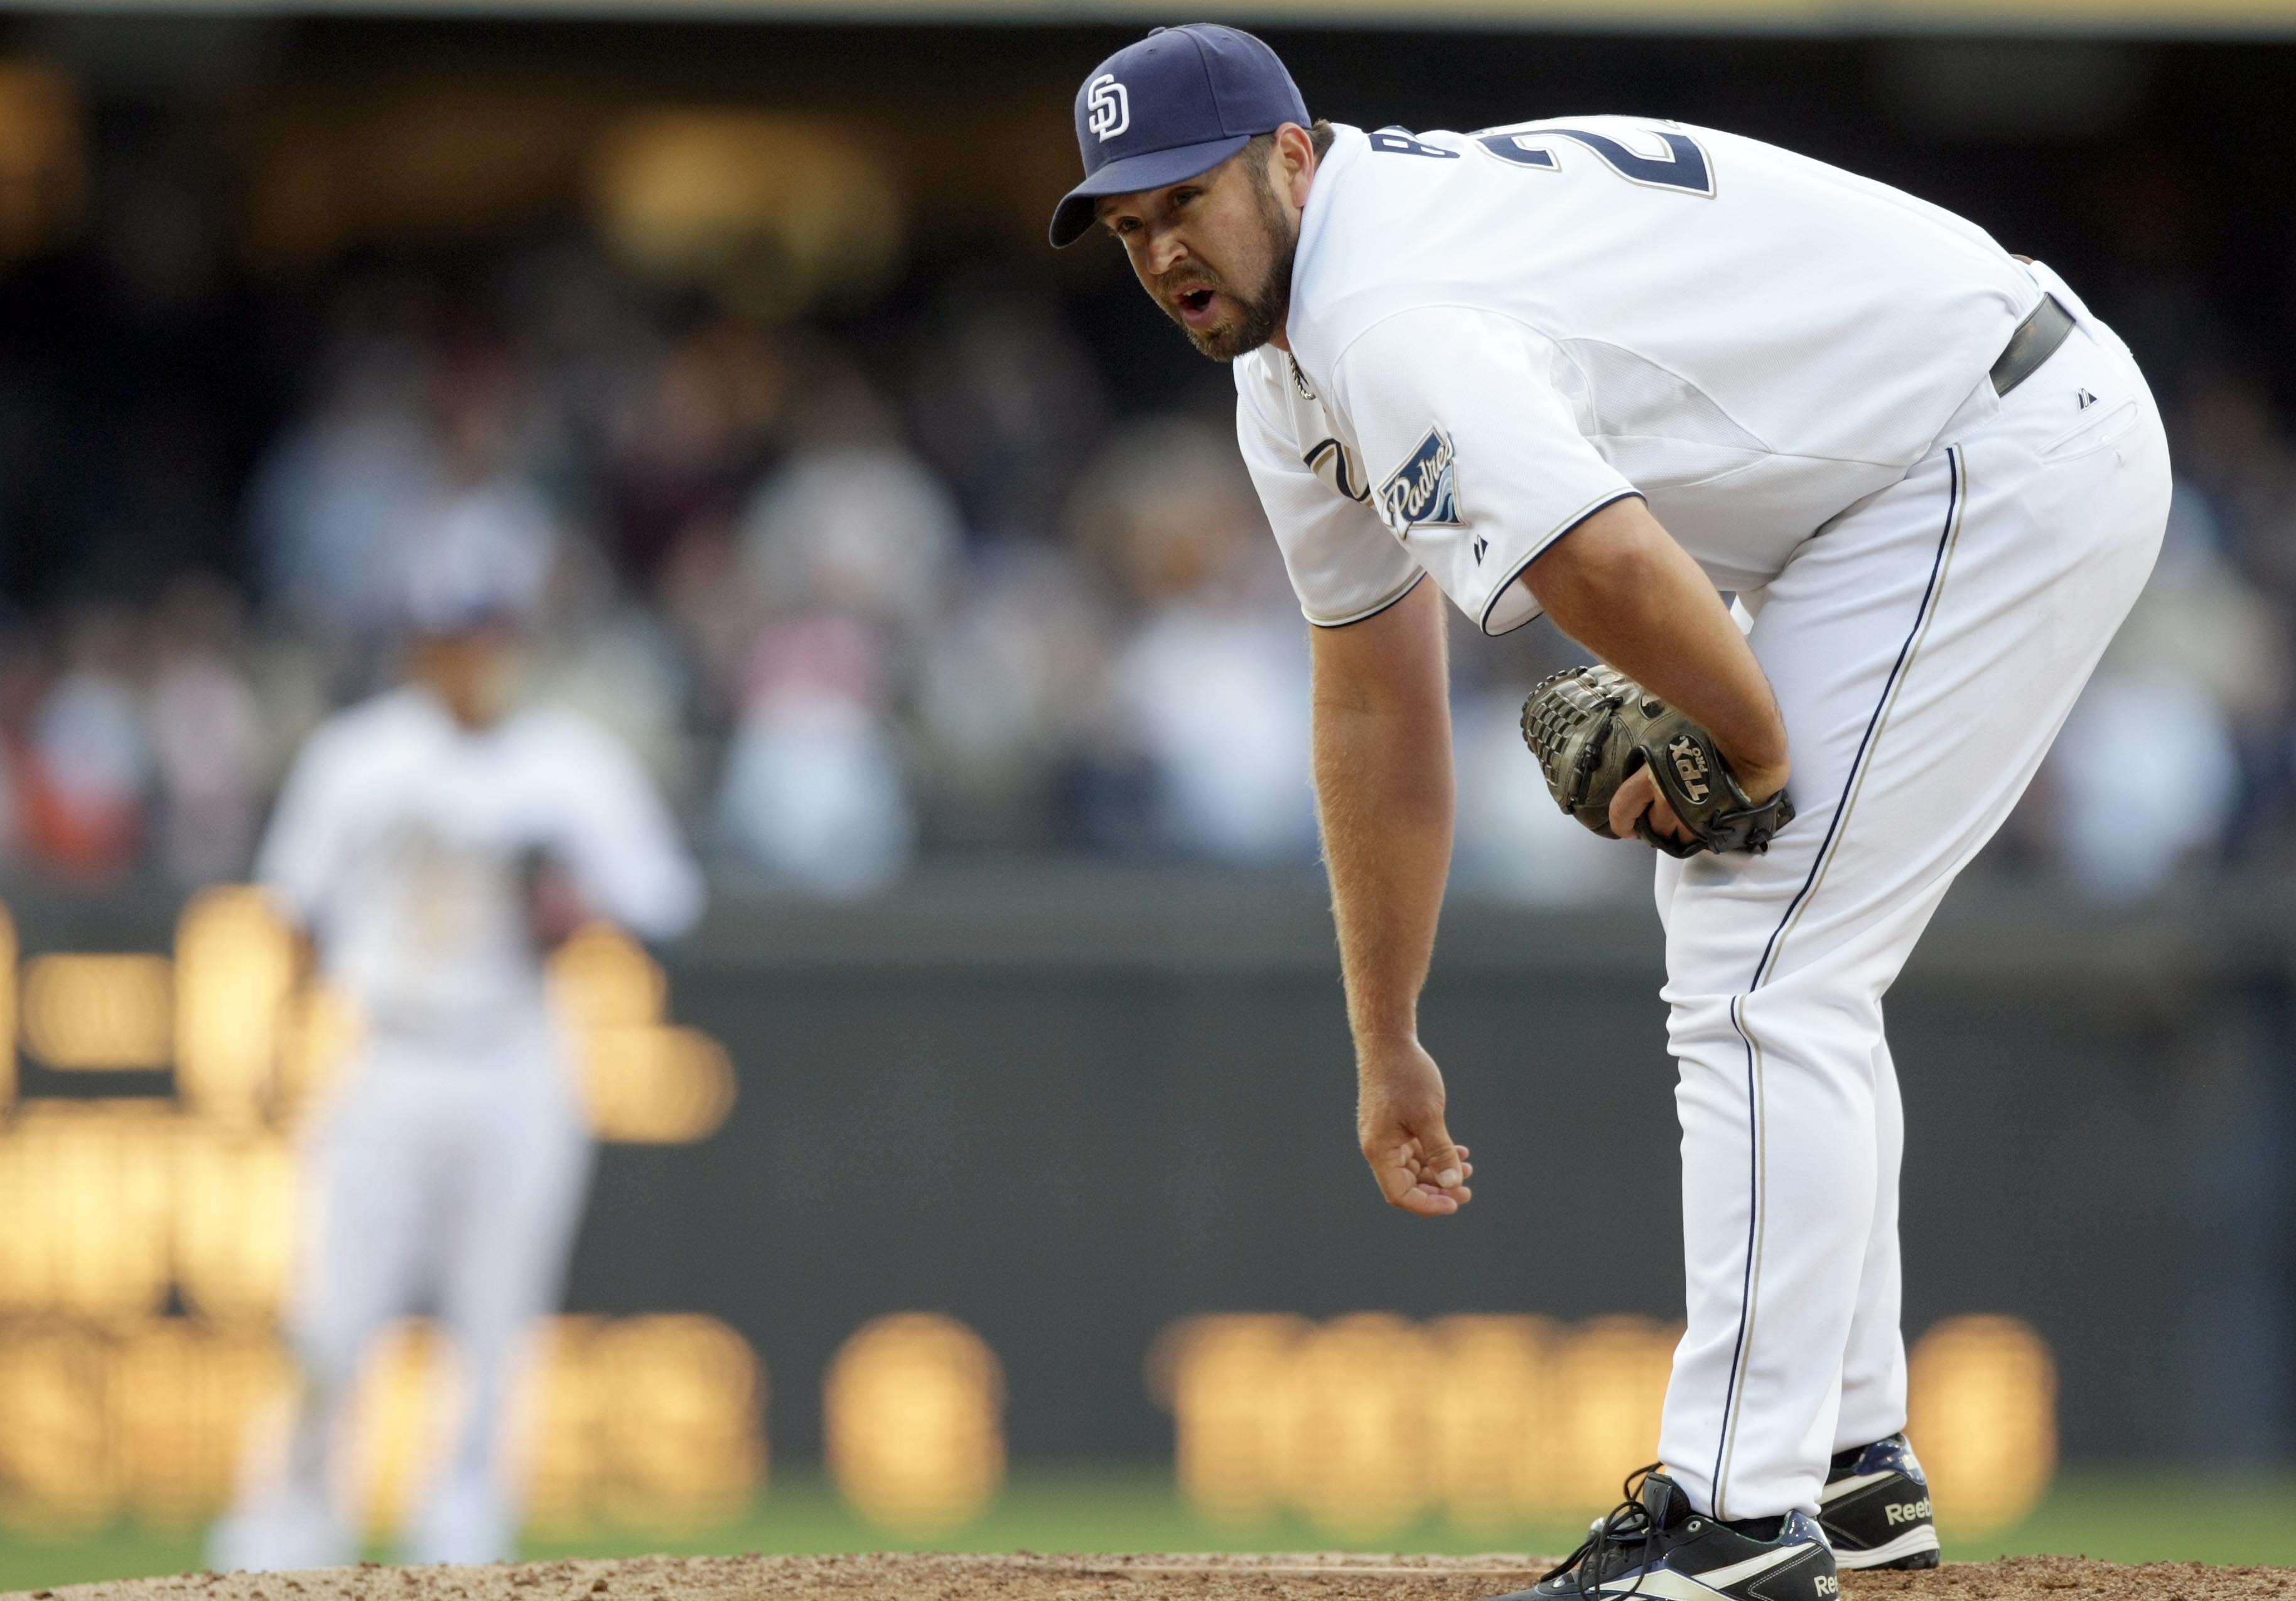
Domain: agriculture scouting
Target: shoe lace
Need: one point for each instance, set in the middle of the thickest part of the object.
(1628, 1522)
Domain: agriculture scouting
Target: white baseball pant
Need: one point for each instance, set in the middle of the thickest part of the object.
(449, 1180)
(1925, 646)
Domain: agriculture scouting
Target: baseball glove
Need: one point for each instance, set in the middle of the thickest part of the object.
(1591, 728)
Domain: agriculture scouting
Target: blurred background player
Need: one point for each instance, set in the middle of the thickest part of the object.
(436, 842)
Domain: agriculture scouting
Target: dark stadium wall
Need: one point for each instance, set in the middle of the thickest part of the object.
(1068, 1112)
(1070, 1105)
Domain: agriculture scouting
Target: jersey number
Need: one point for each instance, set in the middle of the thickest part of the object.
(1683, 166)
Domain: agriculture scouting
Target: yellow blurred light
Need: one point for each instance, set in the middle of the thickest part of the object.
(603, 978)
(44, 177)
(1491, 1420)
(234, 1220)
(1358, 1434)
(653, 1422)
(1609, 1388)
(86, 1186)
(680, 1407)
(57, 1471)
(913, 1413)
(7, 1011)
(1362, 1424)
(771, 210)
(181, 1394)
(100, 1011)
(1225, 1379)
(650, 1422)
(643, 1082)
(235, 969)
(1358, 1424)
(403, 160)
(559, 1403)
(1982, 1414)
(656, 1086)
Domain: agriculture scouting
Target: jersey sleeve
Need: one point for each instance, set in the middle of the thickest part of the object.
(1343, 564)
(299, 857)
(1475, 461)
(619, 841)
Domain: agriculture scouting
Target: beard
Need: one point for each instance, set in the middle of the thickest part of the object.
(1259, 312)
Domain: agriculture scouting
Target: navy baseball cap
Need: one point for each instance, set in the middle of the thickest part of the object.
(1178, 103)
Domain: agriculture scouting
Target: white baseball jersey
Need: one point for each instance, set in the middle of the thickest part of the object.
(402, 840)
(1495, 334)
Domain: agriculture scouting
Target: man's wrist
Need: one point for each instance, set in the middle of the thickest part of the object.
(1760, 779)
(1384, 1044)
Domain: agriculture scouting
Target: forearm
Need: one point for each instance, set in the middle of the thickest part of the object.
(1384, 790)
(1622, 588)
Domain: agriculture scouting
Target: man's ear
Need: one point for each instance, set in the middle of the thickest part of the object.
(1295, 160)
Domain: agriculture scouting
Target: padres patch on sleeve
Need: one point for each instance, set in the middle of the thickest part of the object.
(1420, 494)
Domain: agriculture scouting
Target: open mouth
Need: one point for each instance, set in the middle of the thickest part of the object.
(1196, 305)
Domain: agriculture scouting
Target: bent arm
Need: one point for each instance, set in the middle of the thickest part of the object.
(628, 858)
(1382, 756)
(1619, 585)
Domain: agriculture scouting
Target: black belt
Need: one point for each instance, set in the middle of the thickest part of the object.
(2036, 340)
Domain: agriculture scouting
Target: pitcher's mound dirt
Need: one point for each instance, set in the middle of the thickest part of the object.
(1027, 1577)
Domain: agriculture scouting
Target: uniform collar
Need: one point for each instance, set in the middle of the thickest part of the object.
(1332, 175)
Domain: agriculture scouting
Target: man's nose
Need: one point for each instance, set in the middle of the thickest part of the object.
(1165, 253)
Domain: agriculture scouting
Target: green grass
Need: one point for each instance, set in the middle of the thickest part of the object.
(32, 1561)
(2132, 1514)
(2151, 1515)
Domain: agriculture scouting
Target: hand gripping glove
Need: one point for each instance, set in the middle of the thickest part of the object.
(1591, 728)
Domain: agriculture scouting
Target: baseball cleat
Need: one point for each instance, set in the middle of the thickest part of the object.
(1653, 1544)
(1875, 1507)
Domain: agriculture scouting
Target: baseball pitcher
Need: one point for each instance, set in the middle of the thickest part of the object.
(1611, 369)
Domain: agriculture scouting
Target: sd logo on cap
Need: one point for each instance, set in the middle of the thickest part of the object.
(1178, 104)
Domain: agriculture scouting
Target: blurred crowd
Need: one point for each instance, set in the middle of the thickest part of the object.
(846, 615)
(930, 583)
